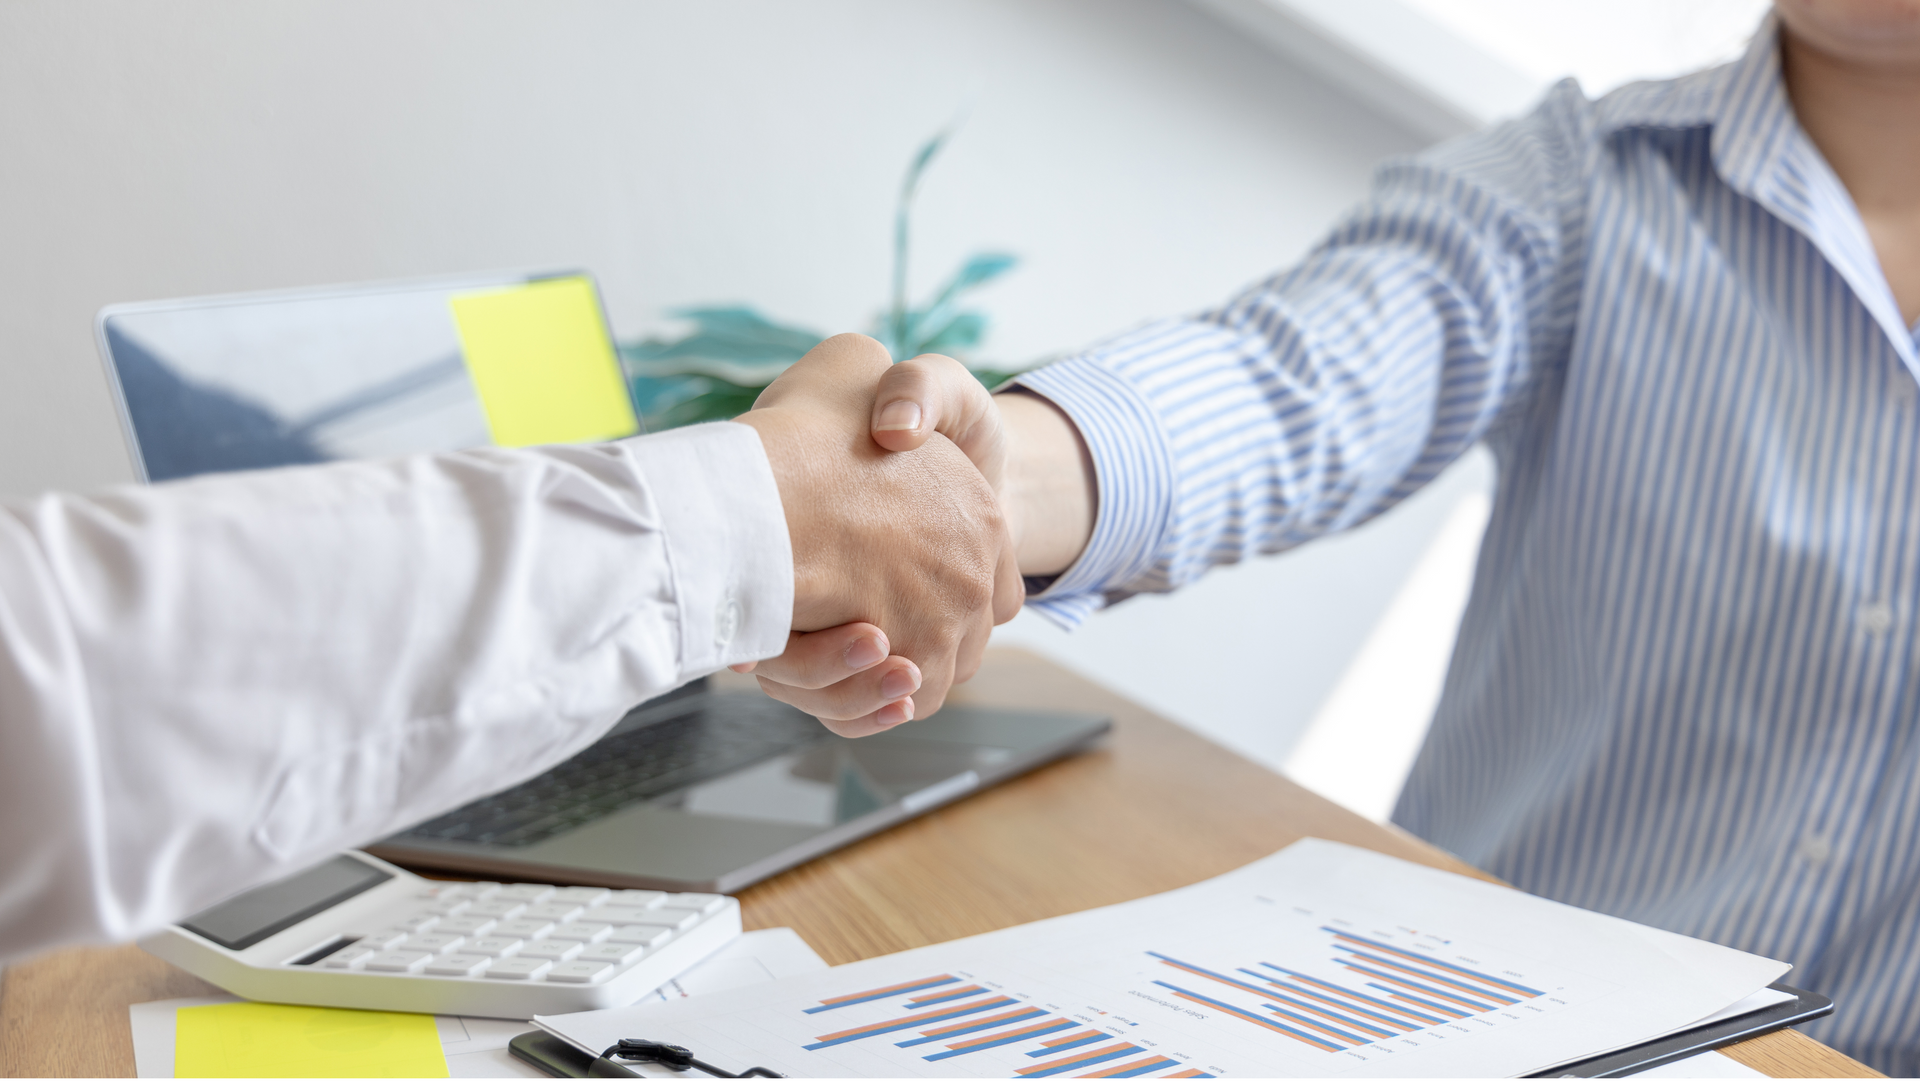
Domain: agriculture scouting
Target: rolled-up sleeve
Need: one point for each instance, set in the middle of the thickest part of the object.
(210, 683)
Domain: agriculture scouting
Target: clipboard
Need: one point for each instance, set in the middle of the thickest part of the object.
(561, 1060)
(1804, 1007)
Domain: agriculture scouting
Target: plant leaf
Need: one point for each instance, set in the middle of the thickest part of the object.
(981, 268)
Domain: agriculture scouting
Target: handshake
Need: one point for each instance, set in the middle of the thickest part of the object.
(914, 501)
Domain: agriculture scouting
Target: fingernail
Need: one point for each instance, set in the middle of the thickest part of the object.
(901, 416)
(899, 682)
(895, 713)
(866, 650)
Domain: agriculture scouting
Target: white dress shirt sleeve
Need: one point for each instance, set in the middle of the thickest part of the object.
(208, 684)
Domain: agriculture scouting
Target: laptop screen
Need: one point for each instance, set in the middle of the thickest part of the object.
(253, 381)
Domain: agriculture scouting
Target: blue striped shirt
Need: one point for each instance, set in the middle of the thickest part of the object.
(1682, 689)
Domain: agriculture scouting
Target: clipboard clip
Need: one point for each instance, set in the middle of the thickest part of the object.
(671, 1056)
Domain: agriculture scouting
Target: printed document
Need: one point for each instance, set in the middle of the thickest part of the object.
(1321, 960)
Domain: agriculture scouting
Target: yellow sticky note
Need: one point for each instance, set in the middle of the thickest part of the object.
(546, 371)
(271, 1040)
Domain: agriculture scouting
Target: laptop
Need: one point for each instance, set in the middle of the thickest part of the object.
(694, 791)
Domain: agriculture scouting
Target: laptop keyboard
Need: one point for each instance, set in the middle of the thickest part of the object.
(625, 769)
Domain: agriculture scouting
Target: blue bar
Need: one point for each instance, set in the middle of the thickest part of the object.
(1091, 1038)
(1439, 993)
(935, 983)
(1015, 1039)
(1396, 1026)
(1311, 1023)
(1159, 1064)
(1438, 962)
(949, 996)
(1338, 1018)
(1446, 980)
(1318, 983)
(1221, 977)
(906, 1023)
(1127, 1051)
(1417, 999)
(1026, 1016)
(1312, 1038)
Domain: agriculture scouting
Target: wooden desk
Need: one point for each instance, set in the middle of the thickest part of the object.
(1157, 808)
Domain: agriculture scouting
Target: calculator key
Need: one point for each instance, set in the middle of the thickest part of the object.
(447, 907)
(583, 932)
(704, 904)
(618, 914)
(495, 907)
(677, 919)
(558, 950)
(524, 892)
(481, 890)
(458, 965)
(347, 957)
(646, 935)
(618, 954)
(518, 969)
(432, 942)
(579, 972)
(466, 925)
(641, 899)
(581, 895)
(523, 929)
(398, 961)
(554, 911)
(497, 946)
(385, 938)
(419, 922)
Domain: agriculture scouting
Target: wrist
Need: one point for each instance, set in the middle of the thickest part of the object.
(1048, 493)
(794, 467)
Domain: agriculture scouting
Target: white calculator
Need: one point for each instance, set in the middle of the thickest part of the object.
(359, 932)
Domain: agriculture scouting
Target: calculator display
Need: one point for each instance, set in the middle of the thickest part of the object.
(242, 921)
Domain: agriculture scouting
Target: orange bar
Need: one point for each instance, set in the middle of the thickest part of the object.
(1069, 1038)
(1005, 1033)
(1505, 988)
(1431, 993)
(1336, 1034)
(950, 993)
(970, 1021)
(1497, 999)
(1192, 1072)
(1048, 1065)
(1130, 1065)
(889, 988)
(1311, 1041)
(889, 1024)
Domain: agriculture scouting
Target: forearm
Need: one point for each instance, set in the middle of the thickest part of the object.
(206, 684)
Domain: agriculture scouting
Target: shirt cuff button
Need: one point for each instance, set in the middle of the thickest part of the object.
(726, 621)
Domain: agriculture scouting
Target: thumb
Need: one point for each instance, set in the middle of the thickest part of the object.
(932, 393)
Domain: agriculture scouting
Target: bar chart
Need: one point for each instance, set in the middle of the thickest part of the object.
(1337, 991)
(1321, 961)
(944, 1016)
(1378, 991)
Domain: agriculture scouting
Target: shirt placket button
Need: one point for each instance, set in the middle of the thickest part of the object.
(1876, 618)
(1815, 849)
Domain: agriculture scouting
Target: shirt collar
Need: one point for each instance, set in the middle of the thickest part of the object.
(1760, 151)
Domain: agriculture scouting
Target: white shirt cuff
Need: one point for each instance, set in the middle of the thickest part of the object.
(731, 559)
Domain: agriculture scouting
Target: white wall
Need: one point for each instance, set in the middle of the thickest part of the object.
(1141, 158)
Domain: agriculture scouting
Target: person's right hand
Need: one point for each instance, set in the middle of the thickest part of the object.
(913, 543)
(1023, 445)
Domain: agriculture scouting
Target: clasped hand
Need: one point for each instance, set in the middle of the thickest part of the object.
(903, 559)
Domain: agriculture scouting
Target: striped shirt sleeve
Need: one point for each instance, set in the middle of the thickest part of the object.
(1324, 395)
